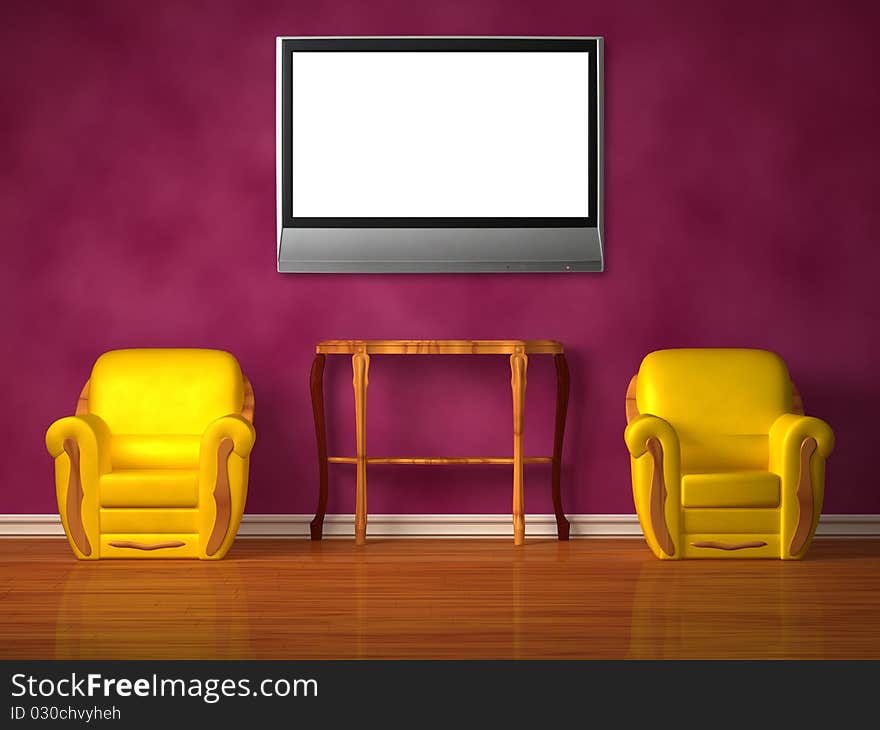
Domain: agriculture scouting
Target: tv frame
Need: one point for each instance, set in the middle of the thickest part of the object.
(398, 245)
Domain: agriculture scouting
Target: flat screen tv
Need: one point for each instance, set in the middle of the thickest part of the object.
(427, 154)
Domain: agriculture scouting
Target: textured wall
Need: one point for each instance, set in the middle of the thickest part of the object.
(138, 209)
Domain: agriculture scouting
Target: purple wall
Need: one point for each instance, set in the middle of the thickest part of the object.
(742, 151)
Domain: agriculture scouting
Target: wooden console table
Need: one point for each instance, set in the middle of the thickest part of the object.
(361, 350)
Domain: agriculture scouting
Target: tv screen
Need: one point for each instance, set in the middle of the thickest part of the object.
(439, 154)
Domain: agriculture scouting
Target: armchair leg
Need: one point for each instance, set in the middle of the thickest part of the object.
(74, 500)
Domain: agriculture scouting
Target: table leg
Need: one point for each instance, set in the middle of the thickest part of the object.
(316, 386)
(562, 381)
(360, 363)
(518, 365)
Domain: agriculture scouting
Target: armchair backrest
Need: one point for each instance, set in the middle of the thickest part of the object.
(164, 391)
(721, 402)
(727, 391)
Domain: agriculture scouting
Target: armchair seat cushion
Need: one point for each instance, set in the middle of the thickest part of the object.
(150, 488)
(155, 452)
(730, 489)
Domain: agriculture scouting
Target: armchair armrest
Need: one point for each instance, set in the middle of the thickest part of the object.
(80, 446)
(799, 446)
(89, 432)
(657, 486)
(223, 469)
(233, 427)
(647, 426)
(790, 430)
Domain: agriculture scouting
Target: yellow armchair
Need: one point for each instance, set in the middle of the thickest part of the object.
(724, 461)
(155, 461)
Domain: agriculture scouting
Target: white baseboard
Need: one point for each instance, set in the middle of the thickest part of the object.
(433, 525)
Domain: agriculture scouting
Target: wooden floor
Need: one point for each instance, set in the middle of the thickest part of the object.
(294, 599)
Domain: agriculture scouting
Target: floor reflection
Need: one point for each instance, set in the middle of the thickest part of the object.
(153, 610)
(439, 599)
(725, 609)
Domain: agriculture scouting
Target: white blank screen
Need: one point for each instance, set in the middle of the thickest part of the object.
(449, 134)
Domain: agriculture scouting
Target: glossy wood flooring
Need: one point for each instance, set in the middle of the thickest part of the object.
(294, 599)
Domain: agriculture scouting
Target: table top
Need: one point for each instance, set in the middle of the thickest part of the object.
(439, 347)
